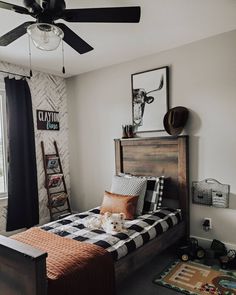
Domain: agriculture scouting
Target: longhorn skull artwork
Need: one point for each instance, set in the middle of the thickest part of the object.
(140, 99)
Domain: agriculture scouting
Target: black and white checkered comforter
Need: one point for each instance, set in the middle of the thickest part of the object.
(140, 230)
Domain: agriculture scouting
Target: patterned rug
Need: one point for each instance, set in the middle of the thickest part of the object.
(194, 278)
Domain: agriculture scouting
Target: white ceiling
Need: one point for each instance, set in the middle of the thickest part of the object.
(164, 24)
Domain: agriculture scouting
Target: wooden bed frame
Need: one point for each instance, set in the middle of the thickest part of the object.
(23, 268)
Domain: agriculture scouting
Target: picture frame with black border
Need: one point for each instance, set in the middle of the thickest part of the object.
(150, 99)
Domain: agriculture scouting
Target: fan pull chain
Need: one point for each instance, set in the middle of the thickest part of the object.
(30, 55)
(63, 58)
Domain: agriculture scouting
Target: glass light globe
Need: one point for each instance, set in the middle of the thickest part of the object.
(45, 36)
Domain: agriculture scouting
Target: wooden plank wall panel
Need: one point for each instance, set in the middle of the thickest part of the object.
(153, 158)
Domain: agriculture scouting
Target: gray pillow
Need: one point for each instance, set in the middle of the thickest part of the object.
(131, 186)
(154, 192)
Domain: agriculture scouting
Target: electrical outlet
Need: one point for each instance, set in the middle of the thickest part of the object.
(207, 223)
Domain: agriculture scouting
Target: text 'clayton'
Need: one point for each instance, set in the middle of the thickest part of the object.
(47, 120)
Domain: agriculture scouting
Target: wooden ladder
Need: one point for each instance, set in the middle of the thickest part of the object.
(58, 199)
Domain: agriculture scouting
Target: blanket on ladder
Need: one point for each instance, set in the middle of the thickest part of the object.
(73, 267)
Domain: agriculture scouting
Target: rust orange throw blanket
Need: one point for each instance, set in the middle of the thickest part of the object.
(73, 267)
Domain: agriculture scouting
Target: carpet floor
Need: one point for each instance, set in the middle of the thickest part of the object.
(140, 282)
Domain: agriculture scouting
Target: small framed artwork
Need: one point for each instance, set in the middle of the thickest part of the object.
(150, 99)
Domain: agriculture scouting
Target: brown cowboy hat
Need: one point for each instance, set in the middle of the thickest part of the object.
(175, 120)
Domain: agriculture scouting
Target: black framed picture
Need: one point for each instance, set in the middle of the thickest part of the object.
(150, 99)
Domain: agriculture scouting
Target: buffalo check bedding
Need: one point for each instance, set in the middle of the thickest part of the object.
(139, 231)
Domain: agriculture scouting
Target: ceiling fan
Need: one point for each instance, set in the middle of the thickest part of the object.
(45, 31)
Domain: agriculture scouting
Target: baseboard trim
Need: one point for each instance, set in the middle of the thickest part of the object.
(206, 243)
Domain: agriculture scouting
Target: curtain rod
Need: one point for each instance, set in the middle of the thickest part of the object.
(25, 76)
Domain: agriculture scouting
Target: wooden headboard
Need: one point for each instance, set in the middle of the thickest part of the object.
(156, 156)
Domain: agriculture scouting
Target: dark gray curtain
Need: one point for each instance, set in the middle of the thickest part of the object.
(23, 208)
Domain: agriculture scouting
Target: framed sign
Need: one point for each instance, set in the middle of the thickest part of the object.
(47, 120)
(150, 99)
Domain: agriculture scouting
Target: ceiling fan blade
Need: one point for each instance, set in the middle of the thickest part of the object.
(104, 15)
(14, 34)
(14, 7)
(74, 40)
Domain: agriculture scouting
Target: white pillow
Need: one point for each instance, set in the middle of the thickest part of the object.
(131, 186)
(154, 192)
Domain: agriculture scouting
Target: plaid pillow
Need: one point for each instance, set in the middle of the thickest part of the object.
(154, 194)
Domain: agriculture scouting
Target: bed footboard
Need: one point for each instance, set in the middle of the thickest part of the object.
(22, 269)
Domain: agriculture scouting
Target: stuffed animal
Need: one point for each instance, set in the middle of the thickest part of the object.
(110, 222)
(114, 222)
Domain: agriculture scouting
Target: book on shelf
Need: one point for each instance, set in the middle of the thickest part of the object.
(54, 180)
(52, 162)
(57, 199)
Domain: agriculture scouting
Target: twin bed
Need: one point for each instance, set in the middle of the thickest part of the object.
(148, 235)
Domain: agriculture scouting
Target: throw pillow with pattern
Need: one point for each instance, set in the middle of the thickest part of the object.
(154, 194)
(131, 186)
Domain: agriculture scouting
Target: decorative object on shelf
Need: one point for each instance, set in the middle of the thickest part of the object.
(127, 131)
(150, 99)
(175, 120)
(58, 201)
(47, 120)
(210, 192)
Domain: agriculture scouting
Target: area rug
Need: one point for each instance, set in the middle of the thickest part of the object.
(195, 278)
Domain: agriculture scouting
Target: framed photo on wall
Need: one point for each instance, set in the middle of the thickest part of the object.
(150, 99)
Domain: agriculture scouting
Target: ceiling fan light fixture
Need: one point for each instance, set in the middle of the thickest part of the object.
(45, 36)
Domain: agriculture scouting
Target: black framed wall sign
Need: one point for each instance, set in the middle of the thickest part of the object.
(150, 99)
(47, 120)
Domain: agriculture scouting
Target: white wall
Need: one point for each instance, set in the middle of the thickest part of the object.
(202, 78)
(48, 93)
